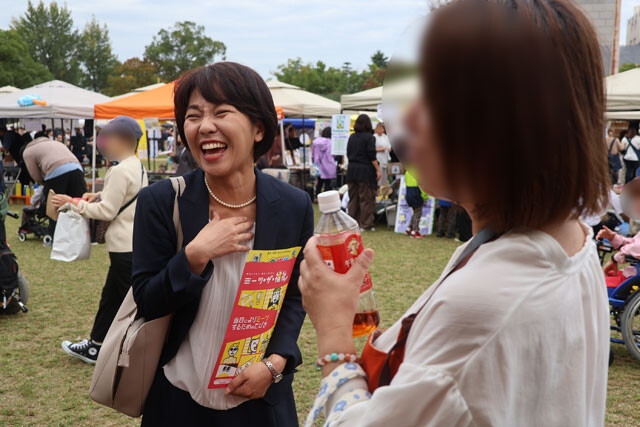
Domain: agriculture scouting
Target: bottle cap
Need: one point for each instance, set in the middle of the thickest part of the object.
(329, 201)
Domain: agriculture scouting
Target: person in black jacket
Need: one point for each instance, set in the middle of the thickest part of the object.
(183, 159)
(226, 115)
(363, 172)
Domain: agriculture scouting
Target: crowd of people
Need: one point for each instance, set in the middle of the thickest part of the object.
(623, 152)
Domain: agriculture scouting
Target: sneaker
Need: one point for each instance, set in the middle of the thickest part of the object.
(85, 350)
(418, 235)
(408, 231)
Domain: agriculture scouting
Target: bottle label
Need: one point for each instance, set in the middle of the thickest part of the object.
(342, 251)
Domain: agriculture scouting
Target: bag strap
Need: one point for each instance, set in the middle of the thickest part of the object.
(178, 187)
(134, 198)
(634, 149)
(483, 236)
(611, 145)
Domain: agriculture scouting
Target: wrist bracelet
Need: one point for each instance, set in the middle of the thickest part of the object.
(335, 357)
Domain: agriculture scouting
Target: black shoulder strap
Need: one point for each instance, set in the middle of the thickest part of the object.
(611, 145)
(633, 147)
(126, 205)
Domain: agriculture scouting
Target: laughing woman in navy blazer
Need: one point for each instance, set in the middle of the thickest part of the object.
(226, 114)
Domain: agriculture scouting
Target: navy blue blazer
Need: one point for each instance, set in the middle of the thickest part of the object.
(163, 282)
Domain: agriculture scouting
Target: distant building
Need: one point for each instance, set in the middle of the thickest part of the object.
(602, 16)
(633, 28)
(629, 54)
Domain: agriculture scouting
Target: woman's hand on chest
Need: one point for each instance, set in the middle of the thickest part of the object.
(218, 238)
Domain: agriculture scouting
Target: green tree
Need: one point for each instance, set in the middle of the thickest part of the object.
(379, 60)
(181, 48)
(95, 55)
(17, 67)
(131, 74)
(626, 67)
(332, 82)
(51, 39)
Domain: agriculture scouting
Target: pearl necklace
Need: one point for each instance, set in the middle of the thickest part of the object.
(229, 205)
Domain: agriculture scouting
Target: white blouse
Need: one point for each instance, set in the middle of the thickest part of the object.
(518, 336)
(190, 370)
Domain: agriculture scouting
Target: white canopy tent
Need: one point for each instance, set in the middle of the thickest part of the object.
(63, 101)
(367, 100)
(296, 102)
(8, 89)
(623, 95)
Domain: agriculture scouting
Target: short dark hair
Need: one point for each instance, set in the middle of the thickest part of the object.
(363, 124)
(234, 84)
(498, 67)
(326, 132)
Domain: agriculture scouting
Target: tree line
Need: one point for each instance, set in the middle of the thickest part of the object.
(44, 44)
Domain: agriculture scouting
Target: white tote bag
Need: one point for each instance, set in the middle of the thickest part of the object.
(71, 240)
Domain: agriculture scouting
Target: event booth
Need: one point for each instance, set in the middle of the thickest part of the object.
(59, 100)
(53, 100)
(367, 100)
(623, 95)
(297, 103)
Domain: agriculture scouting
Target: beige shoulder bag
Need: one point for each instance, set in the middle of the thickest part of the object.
(130, 353)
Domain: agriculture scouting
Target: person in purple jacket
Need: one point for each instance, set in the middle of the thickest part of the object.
(321, 154)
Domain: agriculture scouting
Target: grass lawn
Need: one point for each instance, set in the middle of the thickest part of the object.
(41, 385)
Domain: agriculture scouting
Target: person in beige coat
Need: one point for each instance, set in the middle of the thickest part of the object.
(118, 142)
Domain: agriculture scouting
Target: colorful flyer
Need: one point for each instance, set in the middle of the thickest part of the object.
(262, 289)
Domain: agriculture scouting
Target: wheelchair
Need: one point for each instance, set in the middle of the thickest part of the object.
(624, 301)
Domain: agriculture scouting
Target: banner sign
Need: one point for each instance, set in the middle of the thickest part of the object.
(340, 129)
(404, 212)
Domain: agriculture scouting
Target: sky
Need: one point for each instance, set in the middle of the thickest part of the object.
(259, 33)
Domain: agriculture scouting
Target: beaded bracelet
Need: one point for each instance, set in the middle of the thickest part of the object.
(335, 357)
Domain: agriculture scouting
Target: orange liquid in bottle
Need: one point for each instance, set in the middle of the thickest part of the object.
(365, 323)
(340, 243)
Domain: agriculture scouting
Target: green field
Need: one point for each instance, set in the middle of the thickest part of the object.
(41, 385)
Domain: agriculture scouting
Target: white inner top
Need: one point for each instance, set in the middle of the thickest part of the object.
(190, 370)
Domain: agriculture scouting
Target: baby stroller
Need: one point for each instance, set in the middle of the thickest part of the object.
(624, 301)
(14, 290)
(34, 221)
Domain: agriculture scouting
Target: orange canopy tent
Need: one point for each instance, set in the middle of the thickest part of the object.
(155, 103)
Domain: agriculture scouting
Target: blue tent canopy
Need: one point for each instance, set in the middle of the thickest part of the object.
(297, 123)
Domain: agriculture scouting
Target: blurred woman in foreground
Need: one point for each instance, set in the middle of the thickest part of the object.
(516, 329)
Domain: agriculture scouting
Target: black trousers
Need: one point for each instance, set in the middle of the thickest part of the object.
(327, 184)
(447, 221)
(70, 183)
(362, 202)
(630, 173)
(113, 293)
(167, 405)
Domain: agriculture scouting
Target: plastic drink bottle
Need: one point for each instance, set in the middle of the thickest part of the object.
(340, 243)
